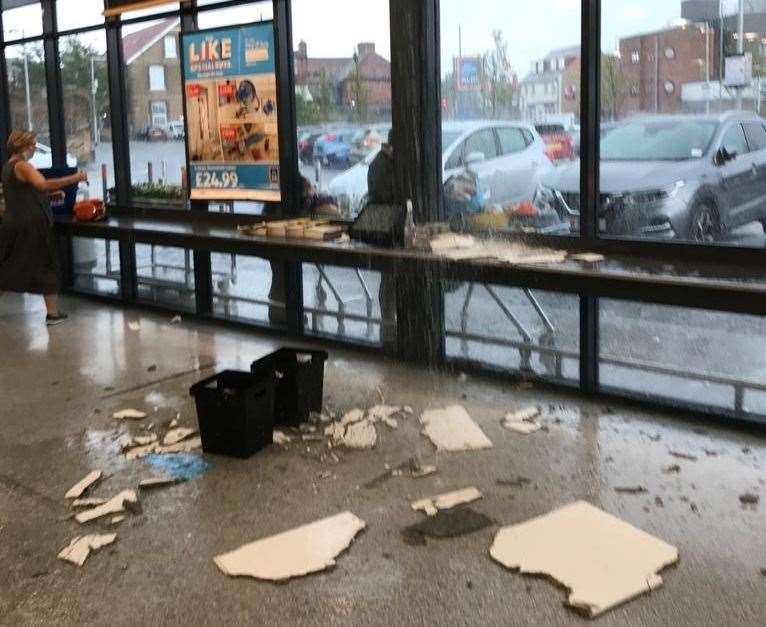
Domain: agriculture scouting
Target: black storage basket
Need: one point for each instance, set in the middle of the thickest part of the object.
(235, 411)
(299, 387)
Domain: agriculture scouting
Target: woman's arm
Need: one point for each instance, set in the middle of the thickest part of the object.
(27, 173)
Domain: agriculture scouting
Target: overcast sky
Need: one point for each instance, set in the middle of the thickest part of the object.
(332, 28)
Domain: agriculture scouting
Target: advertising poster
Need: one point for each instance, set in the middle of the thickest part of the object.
(232, 136)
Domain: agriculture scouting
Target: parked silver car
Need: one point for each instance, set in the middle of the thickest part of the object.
(508, 157)
(690, 177)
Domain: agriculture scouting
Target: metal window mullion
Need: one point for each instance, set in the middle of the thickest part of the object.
(5, 103)
(118, 105)
(54, 87)
(589, 183)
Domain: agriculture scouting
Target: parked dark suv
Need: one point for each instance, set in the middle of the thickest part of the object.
(691, 177)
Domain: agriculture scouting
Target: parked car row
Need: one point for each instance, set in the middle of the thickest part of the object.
(342, 147)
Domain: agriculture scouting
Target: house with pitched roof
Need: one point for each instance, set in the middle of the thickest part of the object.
(155, 88)
(339, 75)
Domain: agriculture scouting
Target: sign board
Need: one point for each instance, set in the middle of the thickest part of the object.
(230, 103)
(739, 70)
(468, 73)
(118, 7)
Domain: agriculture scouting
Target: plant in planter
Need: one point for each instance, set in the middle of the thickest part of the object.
(155, 193)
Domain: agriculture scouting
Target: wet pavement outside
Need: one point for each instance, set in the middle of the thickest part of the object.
(61, 386)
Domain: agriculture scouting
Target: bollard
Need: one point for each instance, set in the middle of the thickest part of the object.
(150, 171)
(104, 190)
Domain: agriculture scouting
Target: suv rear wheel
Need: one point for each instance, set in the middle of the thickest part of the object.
(704, 225)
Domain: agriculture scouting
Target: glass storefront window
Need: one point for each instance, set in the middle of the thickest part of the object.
(510, 113)
(682, 150)
(513, 329)
(165, 275)
(28, 95)
(24, 20)
(86, 107)
(230, 16)
(155, 112)
(242, 290)
(96, 265)
(72, 14)
(343, 95)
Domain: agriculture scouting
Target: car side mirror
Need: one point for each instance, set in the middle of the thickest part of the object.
(474, 157)
(723, 156)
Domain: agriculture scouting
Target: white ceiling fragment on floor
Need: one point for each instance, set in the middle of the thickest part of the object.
(431, 506)
(602, 560)
(308, 549)
(452, 429)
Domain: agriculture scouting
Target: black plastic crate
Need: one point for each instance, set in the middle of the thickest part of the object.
(299, 387)
(235, 411)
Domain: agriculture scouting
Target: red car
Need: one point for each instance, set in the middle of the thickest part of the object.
(558, 143)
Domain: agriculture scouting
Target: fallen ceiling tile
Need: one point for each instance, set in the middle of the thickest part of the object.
(391, 423)
(77, 490)
(187, 446)
(418, 471)
(87, 502)
(452, 429)
(295, 553)
(143, 440)
(115, 505)
(524, 428)
(449, 524)
(431, 506)
(523, 415)
(360, 435)
(355, 415)
(602, 560)
(116, 520)
(80, 548)
(383, 412)
(129, 414)
(141, 451)
(280, 438)
(174, 436)
(157, 482)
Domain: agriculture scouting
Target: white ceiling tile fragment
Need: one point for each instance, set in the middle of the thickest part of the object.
(87, 502)
(77, 490)
(295, 553)
(431, 506)
(187, 446)
(452, 429)
(115, 505)
(360, 435)
(602, 560)
(129, 414)
(79, 549)
(174, 436)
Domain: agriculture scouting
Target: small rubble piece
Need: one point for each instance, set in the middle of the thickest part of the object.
(143, 440)
(157, 482)
(87, 502)
(115, 505)
(175, 436)
(449, 500)
(308, 549)
(749, 499)
(281, 438)
(674, 469)
(419, 471)
(129, 414)
(116, 520)
(176, 320)
(589, 258)
(77, 490)
(355, 415)
(134, 326)
(632, 490)
(685, 456)
(602, 560)
(452, 429)
(448, 524)
(412, 467)
(79, 549)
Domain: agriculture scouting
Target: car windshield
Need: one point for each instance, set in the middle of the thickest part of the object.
(658, 140)
(549, 129)
(449, 138)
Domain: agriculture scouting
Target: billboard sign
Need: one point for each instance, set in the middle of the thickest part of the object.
(739, 70)
(469, 73)
(230, 103)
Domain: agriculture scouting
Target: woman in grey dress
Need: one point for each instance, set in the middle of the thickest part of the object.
(29, 259)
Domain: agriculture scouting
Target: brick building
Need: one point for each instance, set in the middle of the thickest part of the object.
(552, 87)
(339, 76)
(155, 88)
(656, 66)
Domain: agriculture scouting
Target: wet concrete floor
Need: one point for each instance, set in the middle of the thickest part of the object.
(59, 388)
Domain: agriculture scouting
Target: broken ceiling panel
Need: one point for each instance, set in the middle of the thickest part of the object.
(295, 553)
(452, 429)
(80, 548)
(431, 506)
(187, 446)
(602, 560)
(360, 435)
(174, 436)
(129, 414)
(77, 490)
(115, 505)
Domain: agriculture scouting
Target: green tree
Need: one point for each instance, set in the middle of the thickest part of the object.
(497, 87)
(614, 87)
(83, 68)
